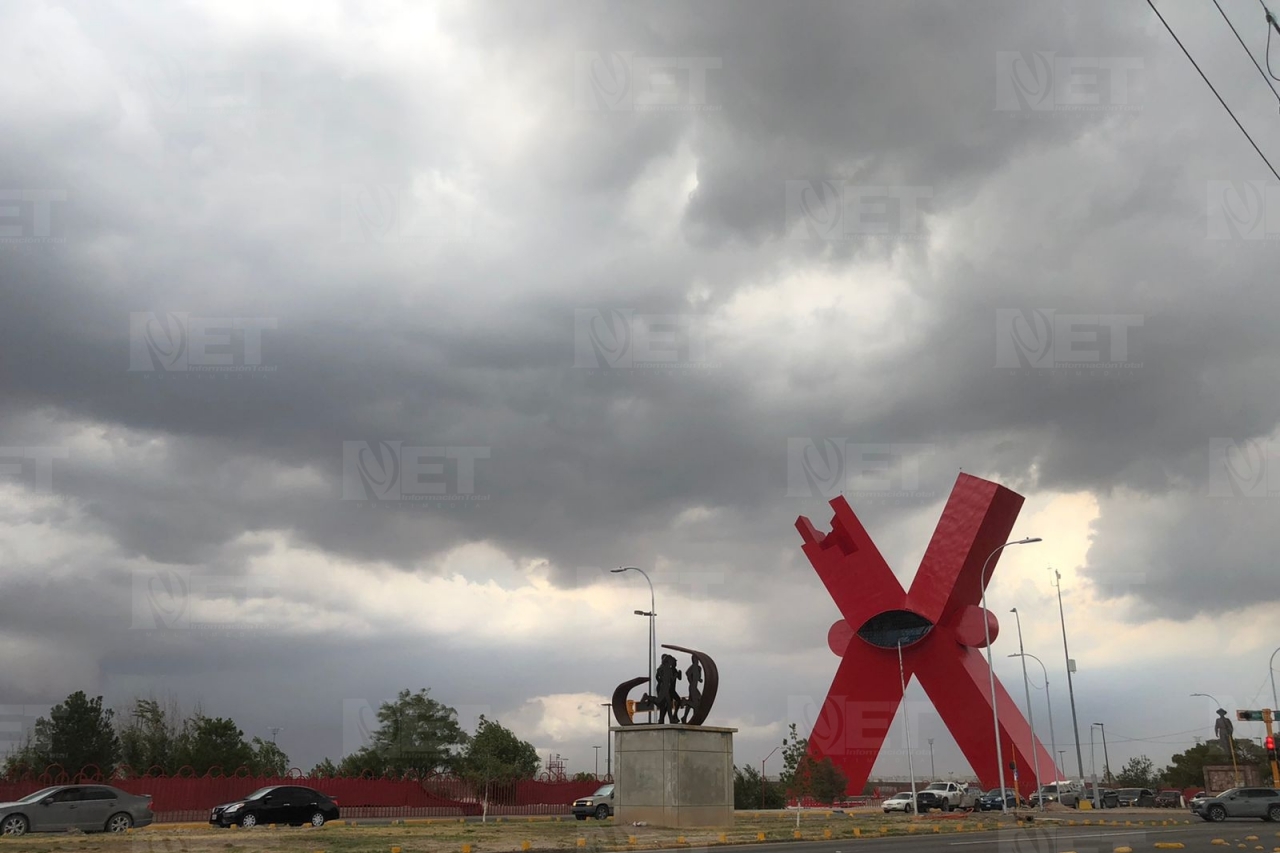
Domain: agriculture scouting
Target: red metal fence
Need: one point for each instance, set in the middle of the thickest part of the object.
(186, 796)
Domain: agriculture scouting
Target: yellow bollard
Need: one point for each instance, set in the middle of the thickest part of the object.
(759, 836)
(680, 840)
(937, 828)
(1123, 850)
(1251, 838)
(395, 850)
(795, 834)
(724, 839)
(631, 839)
(1169, 845)
(582, 842)
(525, 845)
(466, 848)
(857, 833)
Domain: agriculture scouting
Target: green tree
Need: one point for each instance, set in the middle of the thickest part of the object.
(794, 749)
(1138, 772)
(495, 754)
(821, 780)
(149, 735)
(78, 732)
(747, 783)
(208, 742)
(583, 776)
(268, 759)
(415, 733)
(324, 770)
(1186, 769)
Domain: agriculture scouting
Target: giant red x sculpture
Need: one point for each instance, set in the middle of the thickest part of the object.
(940, 625)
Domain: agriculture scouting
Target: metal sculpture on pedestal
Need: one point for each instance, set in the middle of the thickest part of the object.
(939, 625)
(669, 703)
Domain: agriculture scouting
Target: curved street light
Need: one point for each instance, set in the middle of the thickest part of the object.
(651, 613)
(1031, 717)
(1048, 698)
(986, 630)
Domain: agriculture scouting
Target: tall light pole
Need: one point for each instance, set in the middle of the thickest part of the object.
(1062, 760)
(1106, 759)
(1031, 719)
(991, 670)
(1230, 740)
(1071, 693)
(762, 782)
(1093, 768)
(906, 724)
(1275, 703)
(651, 613)
(933, 773)
(597, 749)
(608, 731)
(1048, 698)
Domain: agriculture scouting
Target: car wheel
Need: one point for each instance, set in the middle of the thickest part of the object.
(908, 809)
(602, 812)
(249, 821)
(317, 819)
(950, 808)
(1217, 814)
(580, 816)
(119, 822)
(1273, 813)
(14, 825)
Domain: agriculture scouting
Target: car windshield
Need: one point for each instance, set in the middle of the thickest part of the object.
(937, 786)
(903, 795)
(1132, 792)
(994, 792)
(39, 795)
(261, 791)
(1049, 789)
(603, 791)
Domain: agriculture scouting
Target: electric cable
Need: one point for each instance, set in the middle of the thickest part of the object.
(1246, 50)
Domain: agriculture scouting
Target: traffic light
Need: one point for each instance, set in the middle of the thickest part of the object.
(1271, 748)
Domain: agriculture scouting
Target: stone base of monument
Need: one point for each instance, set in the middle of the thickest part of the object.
(673, 775)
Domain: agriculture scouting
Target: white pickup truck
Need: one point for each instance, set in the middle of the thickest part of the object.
(954, 795)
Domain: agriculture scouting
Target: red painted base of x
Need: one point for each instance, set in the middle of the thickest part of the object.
(867, 692)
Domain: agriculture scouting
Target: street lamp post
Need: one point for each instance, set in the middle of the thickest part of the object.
(597, 749)
(608, 730)
(762, 782)
(1093, 768)
(651, 613)
(1048, 698)
(933, 772)
(906, 724)
(991, 670)
(1275, 703)
(1031, 719)
(1231, 740)
(1071, 693)
(1106, 759)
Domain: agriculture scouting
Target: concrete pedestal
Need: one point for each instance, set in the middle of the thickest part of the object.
(673, 775)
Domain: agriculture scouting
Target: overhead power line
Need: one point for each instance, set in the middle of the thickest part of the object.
(1264, 74)
(1196, 65)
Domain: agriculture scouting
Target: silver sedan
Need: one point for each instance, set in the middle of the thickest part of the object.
(90, 808)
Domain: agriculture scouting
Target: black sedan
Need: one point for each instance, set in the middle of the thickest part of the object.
(281, 804)
(1141, 798)
(990, 801)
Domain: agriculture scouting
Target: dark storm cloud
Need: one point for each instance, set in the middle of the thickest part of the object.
(430, 258)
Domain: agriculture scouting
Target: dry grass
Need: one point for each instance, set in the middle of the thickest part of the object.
(506, 836)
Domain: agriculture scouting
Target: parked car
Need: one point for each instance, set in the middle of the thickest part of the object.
(901, 802)
(89, 808)
(1239, 802)
(291, 804)
(1066, 793)
(1141, 798)
(599, 805)
(1108, 798)
(1169, 798)
(990, 801)
(953, 795)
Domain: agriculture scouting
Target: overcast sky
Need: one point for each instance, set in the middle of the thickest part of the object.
(345, 347)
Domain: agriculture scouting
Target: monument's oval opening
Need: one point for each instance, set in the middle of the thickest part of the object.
(893, 627)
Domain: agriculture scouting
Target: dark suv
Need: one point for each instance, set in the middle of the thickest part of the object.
(291, 804)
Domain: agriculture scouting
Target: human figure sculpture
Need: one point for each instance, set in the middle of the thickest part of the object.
(1224, 729)
(668, 699)
(694, 674)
